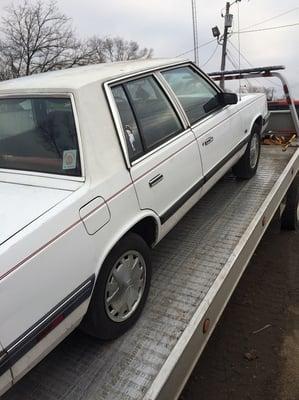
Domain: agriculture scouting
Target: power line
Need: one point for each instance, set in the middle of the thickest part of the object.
(268, 29)
(199, 47)
(271, 19)
(242, 55)
(232, 59)
(211, 56)
(250, 64)
(234, 64)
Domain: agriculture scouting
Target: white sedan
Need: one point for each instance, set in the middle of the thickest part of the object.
(97, 164)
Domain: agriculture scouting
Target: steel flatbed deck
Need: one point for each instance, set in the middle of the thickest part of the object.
(195, 270)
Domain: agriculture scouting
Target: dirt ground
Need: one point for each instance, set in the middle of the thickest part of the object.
(254, 351)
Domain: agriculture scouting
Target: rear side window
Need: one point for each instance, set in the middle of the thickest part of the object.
(196, 95)
(39, 134)
(155, 116)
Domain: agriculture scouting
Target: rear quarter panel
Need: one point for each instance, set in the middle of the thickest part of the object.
(255, 106)
(44, 262)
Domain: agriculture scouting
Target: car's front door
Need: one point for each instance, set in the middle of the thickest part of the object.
(165, 162)
(216, 128)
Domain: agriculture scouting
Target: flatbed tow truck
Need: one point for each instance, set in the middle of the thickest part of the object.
(195, 270)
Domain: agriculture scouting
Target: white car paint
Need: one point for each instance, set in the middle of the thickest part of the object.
(181, 156)
(57, 230)
(22, 204)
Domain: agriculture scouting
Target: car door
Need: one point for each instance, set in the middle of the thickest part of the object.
(165, 162)
(217, 128)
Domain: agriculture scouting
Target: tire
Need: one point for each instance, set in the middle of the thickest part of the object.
(109, 314)
(247, 165)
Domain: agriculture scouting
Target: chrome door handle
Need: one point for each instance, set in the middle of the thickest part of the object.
(155, 180)
(208, 141)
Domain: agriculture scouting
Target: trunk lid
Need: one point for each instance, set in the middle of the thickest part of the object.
(22, 204)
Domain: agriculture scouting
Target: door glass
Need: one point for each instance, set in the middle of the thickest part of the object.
(156, 118)
(130, 128)
(196, 96)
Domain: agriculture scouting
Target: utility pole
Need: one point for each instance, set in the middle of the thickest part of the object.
(227, 25)
(195, 35)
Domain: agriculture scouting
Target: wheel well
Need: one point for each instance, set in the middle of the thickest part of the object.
(259, 123)
(147, 229)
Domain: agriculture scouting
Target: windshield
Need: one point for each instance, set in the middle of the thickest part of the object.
(39, 134)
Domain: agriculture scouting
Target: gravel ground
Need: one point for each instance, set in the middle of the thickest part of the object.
(254, 351)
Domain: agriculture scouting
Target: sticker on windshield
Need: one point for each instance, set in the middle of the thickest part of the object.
(69, 159)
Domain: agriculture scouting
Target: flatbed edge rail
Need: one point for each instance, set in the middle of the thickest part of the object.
(175, 372)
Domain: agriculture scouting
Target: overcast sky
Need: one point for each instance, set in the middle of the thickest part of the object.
(166, 26)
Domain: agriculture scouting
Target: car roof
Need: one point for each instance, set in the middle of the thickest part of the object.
(74, 78)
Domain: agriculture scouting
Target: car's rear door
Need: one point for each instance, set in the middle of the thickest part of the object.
(217, 128)
(165, 163)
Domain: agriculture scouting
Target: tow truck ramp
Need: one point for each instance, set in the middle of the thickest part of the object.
(195, 270)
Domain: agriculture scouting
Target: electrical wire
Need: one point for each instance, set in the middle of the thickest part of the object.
(242, 55)
(199, 47)
(211, 56)
(250, 64)
(268, 29)
(231, 59)
(272, 18)
(234, 63)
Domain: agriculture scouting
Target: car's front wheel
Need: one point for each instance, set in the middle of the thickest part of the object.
(247, 165)
(121, 289)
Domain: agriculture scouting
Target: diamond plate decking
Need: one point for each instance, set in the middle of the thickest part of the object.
(185, 265)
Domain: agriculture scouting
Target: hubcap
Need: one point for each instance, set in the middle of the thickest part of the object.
(125, 286)
(254, 150)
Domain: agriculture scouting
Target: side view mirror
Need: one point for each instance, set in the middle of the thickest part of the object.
(221, 99)
(228, 98)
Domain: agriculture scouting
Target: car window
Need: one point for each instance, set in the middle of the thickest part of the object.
(130, 128)
(155, 116)
(196, 96)
(39, 134)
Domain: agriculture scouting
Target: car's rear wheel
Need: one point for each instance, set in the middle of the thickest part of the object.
(247, 165)
(121, 289)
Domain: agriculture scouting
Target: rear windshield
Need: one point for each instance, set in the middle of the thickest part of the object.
(39, 134)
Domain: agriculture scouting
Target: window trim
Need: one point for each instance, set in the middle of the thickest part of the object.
(66, 95)
(157, 72)
(205, 78)
(116, 116)
(106, 86)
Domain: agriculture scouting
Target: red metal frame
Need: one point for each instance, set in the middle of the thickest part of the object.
(262, 72)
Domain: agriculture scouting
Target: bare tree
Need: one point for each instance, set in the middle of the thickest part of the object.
(37, 38)
(115, 49)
